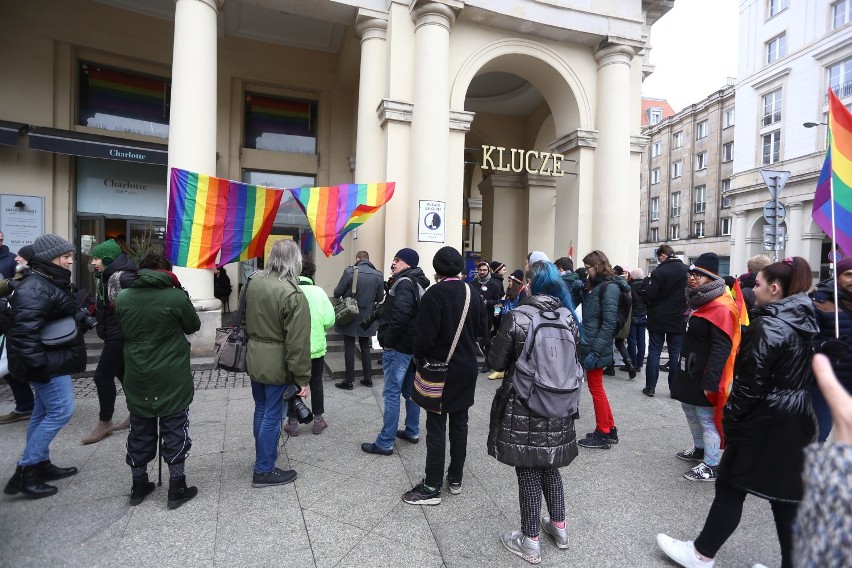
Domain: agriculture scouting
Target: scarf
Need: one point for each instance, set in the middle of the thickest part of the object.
(487, 278)
(61, 277)
(697, 297)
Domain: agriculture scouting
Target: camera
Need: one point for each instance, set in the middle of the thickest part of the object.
(373, 316)
(296, 405)
(85, 320)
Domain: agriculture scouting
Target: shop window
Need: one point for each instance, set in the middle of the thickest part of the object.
(280, 124)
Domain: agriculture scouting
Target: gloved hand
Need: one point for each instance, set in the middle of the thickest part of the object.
(835, 347)
(590, 361)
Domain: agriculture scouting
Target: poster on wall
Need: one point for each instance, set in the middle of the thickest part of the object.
(21, 219)
(431, 221)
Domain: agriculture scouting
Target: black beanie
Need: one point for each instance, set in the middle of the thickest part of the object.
(448, 262)
(707, 264)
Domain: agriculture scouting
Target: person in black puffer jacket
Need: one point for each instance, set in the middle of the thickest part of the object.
(768, 419)
(113, 272)
(536, 446)
(44, 294)
(638, 320)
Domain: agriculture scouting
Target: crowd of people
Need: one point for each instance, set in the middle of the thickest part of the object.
(740, 358)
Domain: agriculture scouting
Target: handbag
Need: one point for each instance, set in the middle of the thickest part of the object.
(59, 332)
(430, 375)
(232, 342)
(346, 309)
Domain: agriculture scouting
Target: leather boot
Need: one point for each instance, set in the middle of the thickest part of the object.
(26, 481)
(141, 489)
(101, 431)
(345, 385)
(631, 370)
(49, 472)
(122, 426)
(179, 493)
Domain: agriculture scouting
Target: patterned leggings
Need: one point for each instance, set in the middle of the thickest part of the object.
(704, 433)
(532, 482)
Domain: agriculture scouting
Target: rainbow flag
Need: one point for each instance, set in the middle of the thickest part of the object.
(251, 212)
(836, 170)
(197, 208)
(334, 211)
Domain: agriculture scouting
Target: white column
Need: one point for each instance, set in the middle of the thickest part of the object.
(795, 235)
(431, 116)
(740, 251)
(612, 155)
(192, 131)
(369, 158)
(541, 214)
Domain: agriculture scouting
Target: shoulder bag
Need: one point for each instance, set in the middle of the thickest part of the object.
(346, 309)
(431, 375)
(232, 342)
(58, 332)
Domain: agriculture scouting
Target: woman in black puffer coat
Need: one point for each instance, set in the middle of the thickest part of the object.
(535, 445)
(768, 419)
(43, 295)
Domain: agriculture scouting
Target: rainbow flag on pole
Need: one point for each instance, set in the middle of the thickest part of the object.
(197, 207)
(251, 212)
(835, 180)
(334, 211)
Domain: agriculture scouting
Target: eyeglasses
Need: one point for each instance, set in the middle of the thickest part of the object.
(586, 266)
(694, 275)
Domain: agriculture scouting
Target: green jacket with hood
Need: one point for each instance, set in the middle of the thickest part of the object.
(322, 315)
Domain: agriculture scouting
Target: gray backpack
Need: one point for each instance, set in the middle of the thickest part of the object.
(548, 372)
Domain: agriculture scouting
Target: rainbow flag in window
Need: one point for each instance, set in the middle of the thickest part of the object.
(835, 180)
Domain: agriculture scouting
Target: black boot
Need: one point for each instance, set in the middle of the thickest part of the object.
(141, 489)
(609, 371)
(631, 371)
(345, 385)
(366, 382)
(179, 493)
(26, 481)
(49, 472)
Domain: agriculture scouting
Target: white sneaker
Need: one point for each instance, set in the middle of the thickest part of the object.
(682, 552)
(758, 566)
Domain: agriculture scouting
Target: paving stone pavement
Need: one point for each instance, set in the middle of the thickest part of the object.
(345, 507)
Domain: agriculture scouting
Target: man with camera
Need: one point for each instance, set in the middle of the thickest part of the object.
(396, 335)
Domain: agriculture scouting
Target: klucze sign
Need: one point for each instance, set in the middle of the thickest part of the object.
(518, 161)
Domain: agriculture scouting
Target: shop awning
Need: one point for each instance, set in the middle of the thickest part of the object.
(9, 132)
(96, 146)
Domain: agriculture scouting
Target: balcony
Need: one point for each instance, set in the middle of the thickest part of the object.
(842, 90)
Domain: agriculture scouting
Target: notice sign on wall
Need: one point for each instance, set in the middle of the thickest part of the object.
(430, 226)
(21, 219)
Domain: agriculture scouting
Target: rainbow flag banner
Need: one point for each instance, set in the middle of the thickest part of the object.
(197, 208)
(251, 212)
(836, 172)
(334, 211)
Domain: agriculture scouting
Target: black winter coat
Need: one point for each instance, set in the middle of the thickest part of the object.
(7, 262)
(396, 327)
(705, 351)
(516, 435)
(640, 307)
(369, 291)
(37, 300)
(108, 328)
(823, 298)
(665, 297)
(768, 419)
(437, 321)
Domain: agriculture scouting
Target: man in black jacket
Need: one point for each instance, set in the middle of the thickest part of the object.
(490, 290)
(396, 335)
(666, 300)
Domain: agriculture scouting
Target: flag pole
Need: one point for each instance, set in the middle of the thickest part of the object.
(833, 243)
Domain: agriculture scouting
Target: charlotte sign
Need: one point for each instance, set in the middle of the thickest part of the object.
(519, 161)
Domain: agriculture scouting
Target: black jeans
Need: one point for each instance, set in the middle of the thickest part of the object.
(317, 397)
(173, 435)
(436, 444)
(110, 366)
(724, 517)
(349, 357)
(22, 393)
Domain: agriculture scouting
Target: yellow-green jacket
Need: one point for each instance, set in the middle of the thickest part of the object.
(322, 315)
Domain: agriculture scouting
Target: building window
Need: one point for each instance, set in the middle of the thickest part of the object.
(655, 115)
(726, 186)
(674, 232)
(726, 202)
(771, 108)
(700, 198)
(728, 120)
(777, 6)
(677, 139)
(122, 101)
(655, 149)
(655, 176)
(840, 13)
(776, 48)
(676, 204)
(840, 78)
(728, 152)
(725, 226)
(655, 235)
(771, 147)
(699, 229)
(702, 129)
(701, 161)
(280, 124)
(677, 169)
(655, 208)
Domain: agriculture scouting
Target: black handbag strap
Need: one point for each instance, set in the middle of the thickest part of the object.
(461, 322)
(354, 280)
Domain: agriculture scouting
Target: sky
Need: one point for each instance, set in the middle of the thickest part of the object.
(694, 50)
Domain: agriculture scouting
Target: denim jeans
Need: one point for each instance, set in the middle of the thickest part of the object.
(636, 341)
(822, 411)
(399, 380)
(655, 348)
(705, 436)
(268, 411)
(54, 406)
(22, 393)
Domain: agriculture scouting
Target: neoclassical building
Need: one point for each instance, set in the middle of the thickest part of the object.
(518, 122)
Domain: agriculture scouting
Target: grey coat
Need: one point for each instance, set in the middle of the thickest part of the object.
(369, 290)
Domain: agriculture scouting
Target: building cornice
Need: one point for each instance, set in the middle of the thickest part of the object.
(639, 143)
(394, 111)
(460, 120)
(577, 139)
(771, 78)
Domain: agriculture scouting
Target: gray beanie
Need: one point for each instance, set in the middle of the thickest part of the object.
(49, 246)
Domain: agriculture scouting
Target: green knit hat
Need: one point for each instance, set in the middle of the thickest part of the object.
(107, 251)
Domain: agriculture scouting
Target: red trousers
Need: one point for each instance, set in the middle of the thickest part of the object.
(603, 413)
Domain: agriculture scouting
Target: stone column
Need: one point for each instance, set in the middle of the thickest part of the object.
(369, 158)
(739, 249)
(795, 234)
(192, 133)
(613, 188)
(541, 214)
(502, 235)
(431, 116)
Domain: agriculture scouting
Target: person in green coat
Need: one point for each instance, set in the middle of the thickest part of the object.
(156, 314)
(278, 322)
(322, 318)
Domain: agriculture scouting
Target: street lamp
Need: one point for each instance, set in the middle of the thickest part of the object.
(812, 124)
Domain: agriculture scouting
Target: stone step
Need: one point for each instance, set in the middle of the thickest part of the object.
(195, 364)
